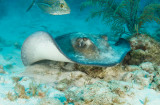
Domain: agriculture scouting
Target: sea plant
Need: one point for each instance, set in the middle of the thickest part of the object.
(124, 17)
(20, 91)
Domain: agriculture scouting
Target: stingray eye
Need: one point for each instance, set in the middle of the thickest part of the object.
(61, 5)
(85, 39)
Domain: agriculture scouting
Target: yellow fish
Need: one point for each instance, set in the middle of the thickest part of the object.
(53, 7)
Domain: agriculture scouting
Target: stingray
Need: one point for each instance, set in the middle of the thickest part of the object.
(53, 7)
(81, 48)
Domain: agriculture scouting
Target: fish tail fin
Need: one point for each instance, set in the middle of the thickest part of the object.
(31, 5)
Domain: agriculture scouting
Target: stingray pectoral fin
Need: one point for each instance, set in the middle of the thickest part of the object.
(45, 7)
(31, 5)
(40, 46)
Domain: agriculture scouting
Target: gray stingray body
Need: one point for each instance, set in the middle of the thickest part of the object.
(42, 46)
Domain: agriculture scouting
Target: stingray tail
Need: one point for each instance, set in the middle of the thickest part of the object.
(31, 5)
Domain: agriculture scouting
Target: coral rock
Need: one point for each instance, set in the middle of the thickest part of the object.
(2, 70)
(147, 66)
(144, 49)
(139, 77)
(132, 68)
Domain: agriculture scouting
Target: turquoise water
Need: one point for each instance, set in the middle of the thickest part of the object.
(16, 25)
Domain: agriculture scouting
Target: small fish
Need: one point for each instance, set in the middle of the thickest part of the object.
(53, 7)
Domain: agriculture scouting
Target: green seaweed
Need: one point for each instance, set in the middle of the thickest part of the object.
(125, 17)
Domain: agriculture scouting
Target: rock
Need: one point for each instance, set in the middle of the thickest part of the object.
(139, 77)
(137, 56)
(66, 66)
(53, 93)
(156, 80)
(156, 83)
(47, 73)
(144, 49)
(132, 68)
(61, 86)
(147, 66)
(2, 70)
(158, 68)
(99, 93)
(50, 101)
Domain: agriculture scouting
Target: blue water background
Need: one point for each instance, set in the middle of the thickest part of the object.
(16, 24)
